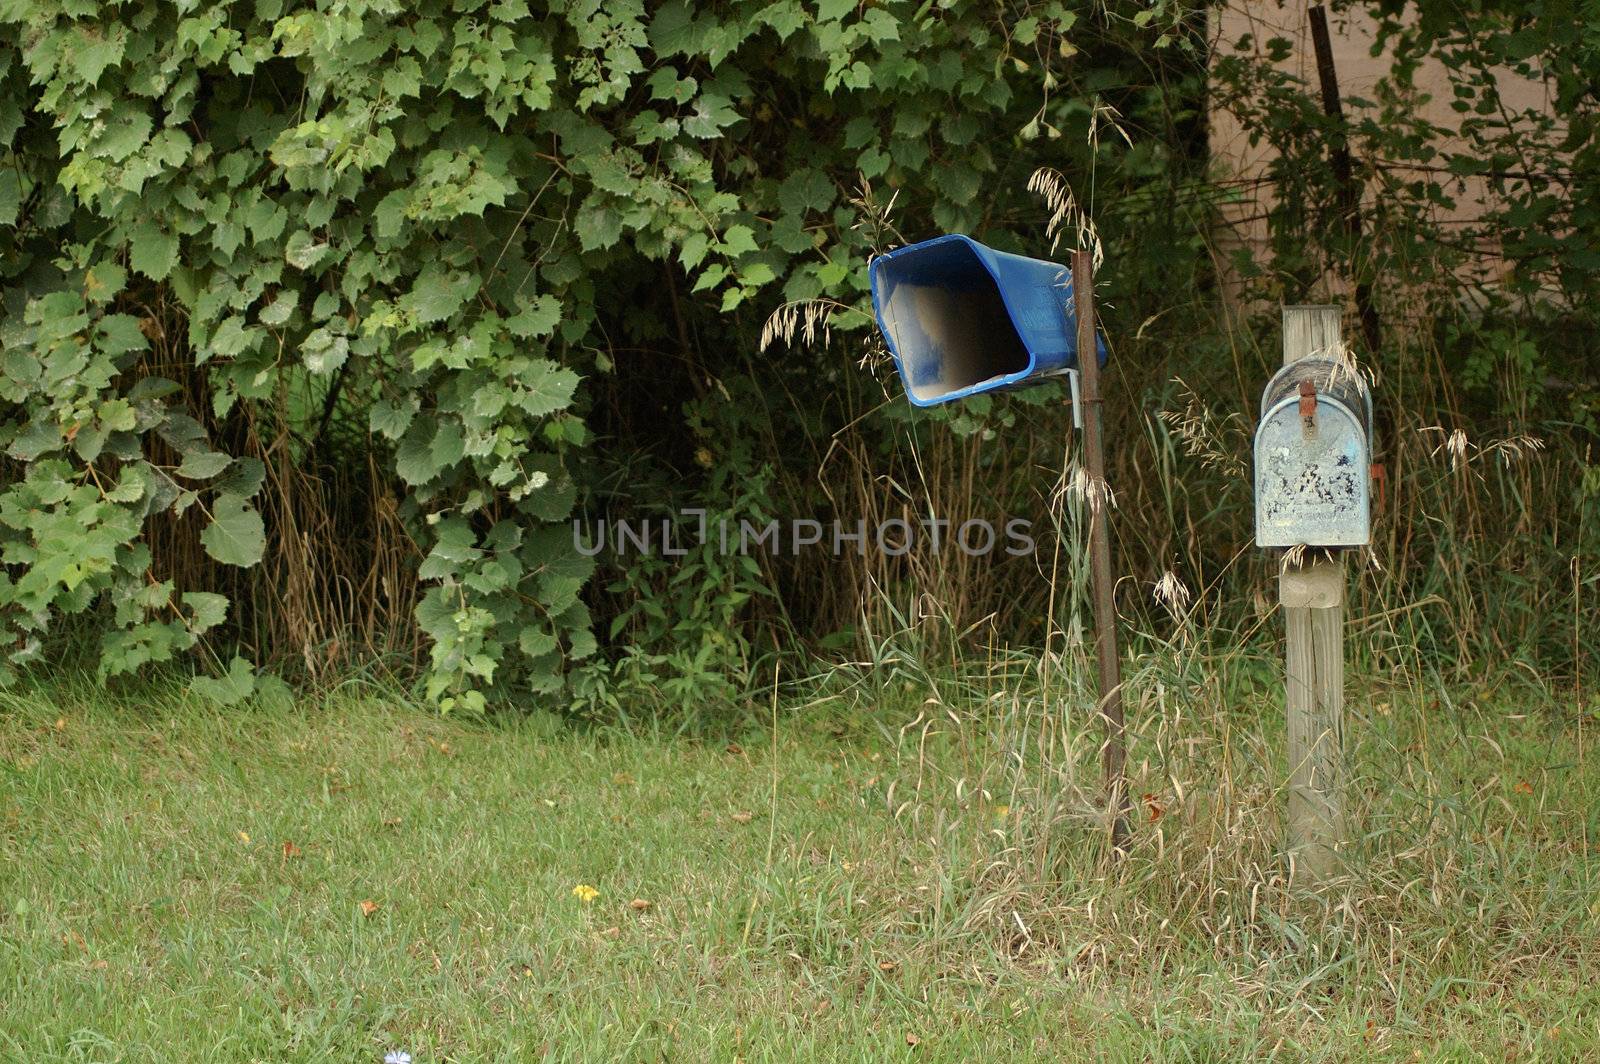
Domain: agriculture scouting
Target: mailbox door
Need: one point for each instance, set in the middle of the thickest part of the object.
(1312, 484)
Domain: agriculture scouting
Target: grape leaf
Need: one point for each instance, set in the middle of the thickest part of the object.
(236, 535)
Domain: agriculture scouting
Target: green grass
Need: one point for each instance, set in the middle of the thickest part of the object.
(928, 870)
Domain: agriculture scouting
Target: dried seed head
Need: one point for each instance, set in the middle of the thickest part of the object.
(1080, 485)
(1456, 446)
(1513, 449)
(1052, 186)
(808, 318)
(1345, 367)
(1172, 593)
(1216, 441)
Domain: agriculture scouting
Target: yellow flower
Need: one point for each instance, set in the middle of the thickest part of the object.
(585, 893)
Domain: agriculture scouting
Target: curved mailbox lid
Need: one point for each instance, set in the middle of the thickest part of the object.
(1331, 379)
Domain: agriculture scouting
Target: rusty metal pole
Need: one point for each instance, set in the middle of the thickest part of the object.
(1114, 752)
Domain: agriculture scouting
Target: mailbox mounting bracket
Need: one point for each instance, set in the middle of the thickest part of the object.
(1077, 399)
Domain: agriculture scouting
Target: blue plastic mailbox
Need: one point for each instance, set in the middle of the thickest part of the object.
(961, 318)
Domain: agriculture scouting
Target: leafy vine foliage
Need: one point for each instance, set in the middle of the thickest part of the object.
(232, 227)
(319, 322)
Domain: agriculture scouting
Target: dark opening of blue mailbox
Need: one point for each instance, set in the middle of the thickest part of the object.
(961, 318)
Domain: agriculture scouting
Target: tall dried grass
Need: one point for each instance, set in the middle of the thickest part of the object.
(337, 586)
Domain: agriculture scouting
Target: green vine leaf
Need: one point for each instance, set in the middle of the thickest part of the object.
(203, 465)
(232, 687)
(152, 251)
(236, 535)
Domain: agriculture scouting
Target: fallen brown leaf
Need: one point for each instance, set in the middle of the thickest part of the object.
(368, 907)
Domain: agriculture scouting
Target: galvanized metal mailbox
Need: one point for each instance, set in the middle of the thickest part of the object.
(1314, 457)
(961, 318)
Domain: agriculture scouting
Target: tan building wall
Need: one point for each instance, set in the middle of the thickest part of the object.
(1353, 35)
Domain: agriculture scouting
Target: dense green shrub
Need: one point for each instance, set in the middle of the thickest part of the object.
(430, 217)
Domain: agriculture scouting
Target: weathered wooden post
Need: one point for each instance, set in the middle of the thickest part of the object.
(1313, 496)
(1312, 595)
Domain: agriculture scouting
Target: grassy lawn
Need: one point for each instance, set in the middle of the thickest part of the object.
(905, 871)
